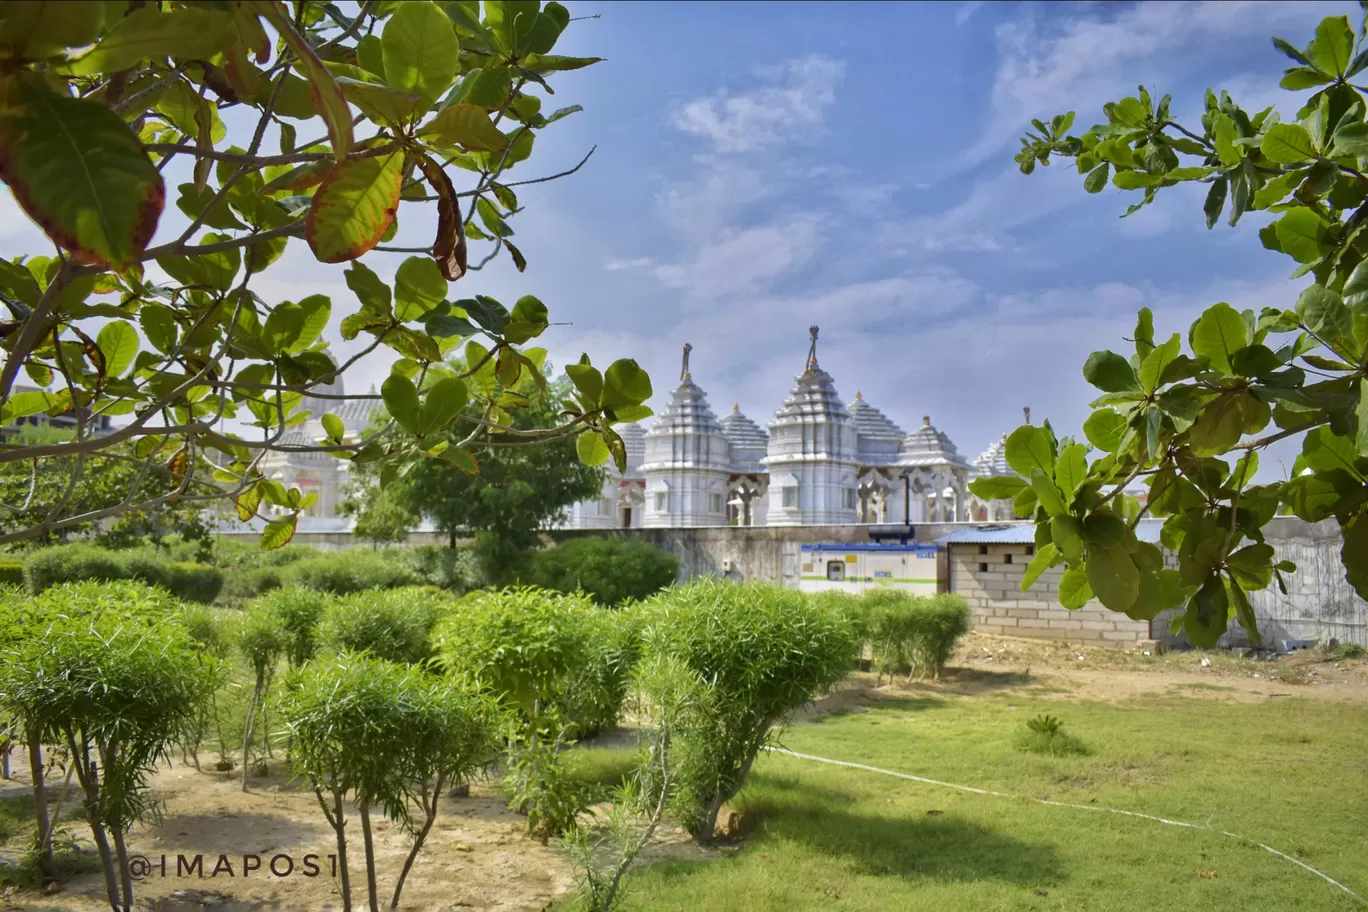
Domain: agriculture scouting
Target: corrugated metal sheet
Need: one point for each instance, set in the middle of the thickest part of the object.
(1024, 534)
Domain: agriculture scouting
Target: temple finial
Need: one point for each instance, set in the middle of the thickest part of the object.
(812, 351)
(684, 367)
(736, 406)
(926, 420)
(1027, 412)
(859, 395)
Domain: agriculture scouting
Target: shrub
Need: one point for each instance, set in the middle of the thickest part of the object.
(301, 613)
(393, 625)
(249, 583)
(595, 693)
(344, 572)
(46, 567)
(912, 634)
(117, 681)
(609, 570)
(1045, 735)
(758, 653)
(455, 569)
(11, 571)
(206, 629)
(70, 563)
(388, 736)
(1347, 651)
(536, 650)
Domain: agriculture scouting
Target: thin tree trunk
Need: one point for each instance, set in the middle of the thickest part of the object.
(431, 811)
(40, 808)
(370, 855)
(125, 876)
(247, 730)
(340, 827)
(90, 785)
(45, 847)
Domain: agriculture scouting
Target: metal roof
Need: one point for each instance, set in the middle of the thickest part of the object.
(870, 546)
(1024, 534)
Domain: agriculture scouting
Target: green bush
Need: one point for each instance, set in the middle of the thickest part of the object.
(248, 583)
(344, 572)
(12, 571)
(301, 611)
(594, 697)
(910, 634)
(609, 570)
(47, 567)
(756, 653)
(238, 555)
(1347, 651)
(392, 624)
(455, 569)
(206, 628)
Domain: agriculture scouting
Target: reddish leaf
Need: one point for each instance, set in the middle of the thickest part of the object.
(449, 250)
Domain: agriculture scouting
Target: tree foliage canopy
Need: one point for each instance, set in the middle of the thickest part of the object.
(1191, 420)
(103, 104)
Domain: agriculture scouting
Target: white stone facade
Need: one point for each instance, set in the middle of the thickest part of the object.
(687, 463)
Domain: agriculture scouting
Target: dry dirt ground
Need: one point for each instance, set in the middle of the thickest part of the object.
(478, 856)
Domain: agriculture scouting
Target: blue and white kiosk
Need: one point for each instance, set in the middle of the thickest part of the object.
(899, 563)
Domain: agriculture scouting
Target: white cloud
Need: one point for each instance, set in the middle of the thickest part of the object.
(1047, 69)
(966, 11)
(744, 261)
(789, 105)
(633, 263)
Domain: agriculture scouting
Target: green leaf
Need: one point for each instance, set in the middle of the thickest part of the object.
(1104, 530)
(1334, 46)
(592, 449)
(1025, 503)
(1208, 614)
(1071, 470)
(22, 405)
(77, 170)
(187, 33)
(370, 56)
(159, 327)
(283, 327)
(118, 341)
(444, 402)
(587, 380)
(1361, 412)
(1325, 451)
(1297, 78)
(1112, 575)
(996, 487)
(1351, 140)
(380, 103)
(1215, 200)
(327, 96)
(1096, 181)
(1046, 556)
(278, 533)
(1288, 144)
(1301, 235)
(418, 287)
(317, 310)
(333, 427)
(1047, 492)
(1354, 553)
(1153, 367)
(625, 383)
(1218, 334)
(1219, 425)
(1110, 373)
(462, 460)
(1324, 314)
(401, 399)
(1074, 589)
(354, 207)
(1028, 449)
(1252, 567)
(1104, 429)
(420, 50)
(1067, 534)
(467, 126)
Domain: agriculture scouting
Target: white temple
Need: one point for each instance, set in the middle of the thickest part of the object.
(820, 462)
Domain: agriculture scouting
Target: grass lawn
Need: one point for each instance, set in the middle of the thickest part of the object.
(1291, 773)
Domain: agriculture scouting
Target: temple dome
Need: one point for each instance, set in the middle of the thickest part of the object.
(878, 438)
(687, 431)
(634, 439)
(927, 447)
(748, 442)
(993, 461)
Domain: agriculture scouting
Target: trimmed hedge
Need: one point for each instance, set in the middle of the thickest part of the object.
(345, 572)
(393, 624)
(12, 571)
(49, 567)
(610, 571)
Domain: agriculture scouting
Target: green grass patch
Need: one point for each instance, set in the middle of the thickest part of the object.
(814, 831)
(1202, 685)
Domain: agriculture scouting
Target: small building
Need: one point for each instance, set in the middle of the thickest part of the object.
(748, 482)
(621, 503)
(687, 461)
(986, 566)
(855, 568)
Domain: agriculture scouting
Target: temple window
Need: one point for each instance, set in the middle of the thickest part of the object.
(790, 497)
(715, 503)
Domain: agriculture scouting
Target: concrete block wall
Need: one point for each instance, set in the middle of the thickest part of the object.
(989, 578)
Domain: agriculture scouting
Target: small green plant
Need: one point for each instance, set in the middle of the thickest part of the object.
(1045, 735)
(261, 639)
(48, 567)
(389, 737)
(1347, 651)
(344, 572)
(301, 612)
(910, 634)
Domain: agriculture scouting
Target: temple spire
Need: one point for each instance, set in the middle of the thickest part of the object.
(1027, 413)
(812, 351)
(684, 367)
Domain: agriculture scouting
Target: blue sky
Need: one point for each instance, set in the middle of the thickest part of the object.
(764, 166)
